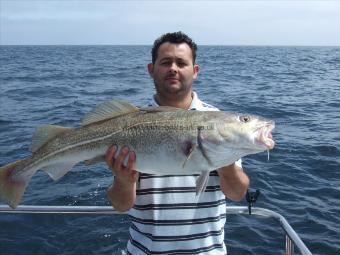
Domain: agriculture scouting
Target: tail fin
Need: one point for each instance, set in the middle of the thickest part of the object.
(12, 188)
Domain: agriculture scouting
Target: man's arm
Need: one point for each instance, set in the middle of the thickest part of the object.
(122, 193)
(234, 182)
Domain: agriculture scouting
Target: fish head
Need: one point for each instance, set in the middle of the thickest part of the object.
(246, 132)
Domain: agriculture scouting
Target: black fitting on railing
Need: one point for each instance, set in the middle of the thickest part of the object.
(251, 197)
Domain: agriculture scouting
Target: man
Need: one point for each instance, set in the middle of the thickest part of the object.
(166, 216)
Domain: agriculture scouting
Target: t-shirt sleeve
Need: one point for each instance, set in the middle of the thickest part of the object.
(239, 163)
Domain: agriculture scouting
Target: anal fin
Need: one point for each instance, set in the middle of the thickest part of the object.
(58, 170)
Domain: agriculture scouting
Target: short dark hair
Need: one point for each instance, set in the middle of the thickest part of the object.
(176, 37)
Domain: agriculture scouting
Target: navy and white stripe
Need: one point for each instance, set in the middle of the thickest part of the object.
(168, 217)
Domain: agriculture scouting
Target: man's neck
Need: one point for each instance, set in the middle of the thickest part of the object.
(183, 103)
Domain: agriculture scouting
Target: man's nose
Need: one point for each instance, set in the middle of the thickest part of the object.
(173, 68)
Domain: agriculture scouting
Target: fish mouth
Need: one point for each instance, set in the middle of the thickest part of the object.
(264, 136)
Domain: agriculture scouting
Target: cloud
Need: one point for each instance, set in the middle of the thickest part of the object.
(140, 22)
(27, 11)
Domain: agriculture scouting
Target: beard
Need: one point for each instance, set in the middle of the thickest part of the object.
(172, 90)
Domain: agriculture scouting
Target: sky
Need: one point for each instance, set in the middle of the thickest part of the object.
(112, 22)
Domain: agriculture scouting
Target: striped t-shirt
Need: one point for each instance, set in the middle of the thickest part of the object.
(168, 217)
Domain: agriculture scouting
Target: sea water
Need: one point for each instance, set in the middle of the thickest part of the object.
(298, 87)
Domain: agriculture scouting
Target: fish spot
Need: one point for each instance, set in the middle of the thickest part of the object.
(187, 148)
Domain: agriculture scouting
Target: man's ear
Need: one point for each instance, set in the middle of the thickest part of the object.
(196, 70)
(150, 69)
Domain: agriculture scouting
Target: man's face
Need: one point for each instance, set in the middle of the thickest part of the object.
(173, 71)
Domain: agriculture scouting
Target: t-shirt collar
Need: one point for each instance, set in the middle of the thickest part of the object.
(195, 103)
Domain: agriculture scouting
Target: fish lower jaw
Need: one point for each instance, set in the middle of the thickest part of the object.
(267, 144)
(265, 141)
(264, 138)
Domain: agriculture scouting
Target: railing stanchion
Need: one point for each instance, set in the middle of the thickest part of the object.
(292, 238)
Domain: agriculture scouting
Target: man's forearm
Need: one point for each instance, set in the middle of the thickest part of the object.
(234, 182)
(122, 196)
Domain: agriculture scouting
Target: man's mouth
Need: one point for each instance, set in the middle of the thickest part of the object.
(171, 78)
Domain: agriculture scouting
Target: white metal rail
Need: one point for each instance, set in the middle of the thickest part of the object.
(292, 238)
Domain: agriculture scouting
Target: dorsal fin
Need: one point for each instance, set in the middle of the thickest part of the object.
(108, 110)
(45, 133)
(152, 109)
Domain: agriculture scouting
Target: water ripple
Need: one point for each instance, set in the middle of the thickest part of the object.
(298, 87)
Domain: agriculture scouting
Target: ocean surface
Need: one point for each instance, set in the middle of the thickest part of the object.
(298, 87)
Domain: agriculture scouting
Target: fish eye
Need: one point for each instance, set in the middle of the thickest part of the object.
(244, 118)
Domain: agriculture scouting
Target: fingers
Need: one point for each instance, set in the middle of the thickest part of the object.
(124, 173)
(110, 156)
(120, 159)
(116, 162)
(132, 161)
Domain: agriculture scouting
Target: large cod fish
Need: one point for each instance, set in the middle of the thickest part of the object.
(166, 140)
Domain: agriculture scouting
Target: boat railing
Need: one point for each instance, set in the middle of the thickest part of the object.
(292, 238)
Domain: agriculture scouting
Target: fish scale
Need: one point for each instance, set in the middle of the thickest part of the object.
(166, 140)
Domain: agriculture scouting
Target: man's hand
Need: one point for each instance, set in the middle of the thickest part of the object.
(124, 174)
(122, 193)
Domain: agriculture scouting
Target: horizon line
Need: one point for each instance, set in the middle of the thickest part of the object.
(200, 45)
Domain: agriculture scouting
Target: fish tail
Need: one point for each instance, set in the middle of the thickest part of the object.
(12, 186)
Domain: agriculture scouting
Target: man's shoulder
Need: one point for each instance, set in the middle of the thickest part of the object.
(203, 106)
(199, 105)
(208, 107)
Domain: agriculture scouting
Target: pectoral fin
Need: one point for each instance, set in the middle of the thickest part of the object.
(201, 182)
(201, 148)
